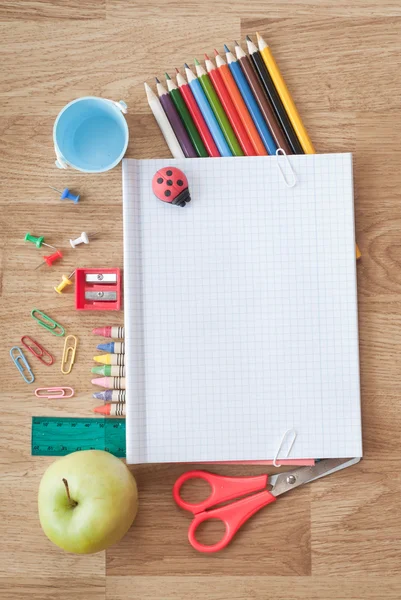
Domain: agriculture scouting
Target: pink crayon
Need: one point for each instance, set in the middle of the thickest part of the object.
(114, 383)
(110, 332)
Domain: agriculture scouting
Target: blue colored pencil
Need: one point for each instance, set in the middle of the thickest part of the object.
(250, 102)
(207, 112)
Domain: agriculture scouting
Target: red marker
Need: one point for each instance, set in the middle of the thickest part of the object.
(111, 410)
(110, 332)
(229, 108)
(197, 116)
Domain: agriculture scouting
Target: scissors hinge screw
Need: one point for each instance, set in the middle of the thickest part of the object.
(291, 479)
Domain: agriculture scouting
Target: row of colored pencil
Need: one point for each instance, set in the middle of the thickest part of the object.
(236, 107)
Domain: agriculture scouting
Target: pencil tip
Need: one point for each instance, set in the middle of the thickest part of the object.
(216, 52)
(248, 39)
(258, 35)
(196, 62)
(206, 57)
(157, 80)
(167, 76)
(177, 70)
(236, 43)
(186, 65)
(226, 48)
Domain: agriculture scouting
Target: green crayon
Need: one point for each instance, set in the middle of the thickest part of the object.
(110, 370)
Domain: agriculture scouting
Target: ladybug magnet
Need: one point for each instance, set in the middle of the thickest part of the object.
(171, 185)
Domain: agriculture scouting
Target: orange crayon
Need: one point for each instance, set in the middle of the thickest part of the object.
(116, 409)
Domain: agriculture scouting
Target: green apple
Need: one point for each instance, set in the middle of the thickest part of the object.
(87, 501)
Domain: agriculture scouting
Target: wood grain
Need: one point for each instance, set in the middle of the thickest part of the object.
(334, 540)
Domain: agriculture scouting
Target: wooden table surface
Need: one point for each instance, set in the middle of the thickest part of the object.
(338, 538)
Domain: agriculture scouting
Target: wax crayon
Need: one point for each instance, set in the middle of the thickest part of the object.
(110, 359)
(115, 383)
(109, 371)
(111, 410)
(112, 347)
(110, 332)
(110, 396)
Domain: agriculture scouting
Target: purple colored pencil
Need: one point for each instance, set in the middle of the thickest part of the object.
(175, 121)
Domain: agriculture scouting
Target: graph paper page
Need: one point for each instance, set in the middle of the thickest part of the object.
(241, 311)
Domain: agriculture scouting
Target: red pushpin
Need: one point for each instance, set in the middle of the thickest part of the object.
(49, 260)
(171, 185)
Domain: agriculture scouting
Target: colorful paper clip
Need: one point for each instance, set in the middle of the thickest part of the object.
(20, 361)
(54, 392)
(37, 350)
(68, 354)
(48, 323)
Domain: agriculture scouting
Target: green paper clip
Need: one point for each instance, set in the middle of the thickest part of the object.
(48, 323)
(20, 361)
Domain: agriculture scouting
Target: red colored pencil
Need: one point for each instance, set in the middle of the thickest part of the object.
(239, 103)
(197, 116)
(229, 108)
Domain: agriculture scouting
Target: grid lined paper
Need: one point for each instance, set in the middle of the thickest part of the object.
(241, 311)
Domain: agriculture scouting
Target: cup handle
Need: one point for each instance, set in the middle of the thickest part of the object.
(121, 106)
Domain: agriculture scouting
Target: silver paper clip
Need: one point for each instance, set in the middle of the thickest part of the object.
(294, 437)
(288, 182)
(20, 361)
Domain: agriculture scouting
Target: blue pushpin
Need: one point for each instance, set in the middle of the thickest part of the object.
(66, 194)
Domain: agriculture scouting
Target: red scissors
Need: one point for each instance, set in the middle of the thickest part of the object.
(237, 513)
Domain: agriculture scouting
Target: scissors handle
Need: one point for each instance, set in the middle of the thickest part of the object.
(223, 489)
(232, 515)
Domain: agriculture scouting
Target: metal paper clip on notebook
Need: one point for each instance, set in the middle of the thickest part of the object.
(236, 513)
(45, 321)
(37, 350)
(67, 361)
(20, 361)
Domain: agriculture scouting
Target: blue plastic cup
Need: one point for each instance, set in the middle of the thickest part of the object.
(91, 135)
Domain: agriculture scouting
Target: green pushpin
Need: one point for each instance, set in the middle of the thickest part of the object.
(38, 241)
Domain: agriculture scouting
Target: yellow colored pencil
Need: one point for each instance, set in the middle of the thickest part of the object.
(288, 102)
(285, 96)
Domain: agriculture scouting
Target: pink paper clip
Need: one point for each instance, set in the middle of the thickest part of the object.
(37, 350)
(54, 392)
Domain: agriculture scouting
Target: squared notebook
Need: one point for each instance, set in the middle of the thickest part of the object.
(241, 311)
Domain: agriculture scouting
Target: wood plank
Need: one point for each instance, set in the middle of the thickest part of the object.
(52, 588)
(37, 10)
(257, 588)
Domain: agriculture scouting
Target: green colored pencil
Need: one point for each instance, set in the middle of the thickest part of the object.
(218, 110)
(186, 117)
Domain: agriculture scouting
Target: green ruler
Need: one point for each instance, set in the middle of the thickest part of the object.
(53, 436)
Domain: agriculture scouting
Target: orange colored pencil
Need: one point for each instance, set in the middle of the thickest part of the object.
(240, 105)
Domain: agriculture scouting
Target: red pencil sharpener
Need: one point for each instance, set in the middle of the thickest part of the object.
(98, 289)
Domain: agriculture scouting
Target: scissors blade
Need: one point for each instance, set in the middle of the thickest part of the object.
(283, 482)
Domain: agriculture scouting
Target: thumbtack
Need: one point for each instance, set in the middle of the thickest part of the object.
(66, 194)
(84, 238)
(49, 260)
(38, 241)
(64, 282)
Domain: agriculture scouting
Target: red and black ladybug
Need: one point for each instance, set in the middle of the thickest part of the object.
(171, 185)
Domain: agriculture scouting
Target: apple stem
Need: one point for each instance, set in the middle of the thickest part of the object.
(67, 489)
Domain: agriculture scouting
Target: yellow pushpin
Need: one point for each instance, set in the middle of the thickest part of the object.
(64, 282)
